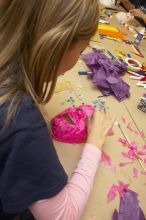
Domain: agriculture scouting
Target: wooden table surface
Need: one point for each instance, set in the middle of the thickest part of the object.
(85, 92)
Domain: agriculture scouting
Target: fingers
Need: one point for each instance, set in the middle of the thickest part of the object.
(133, 12)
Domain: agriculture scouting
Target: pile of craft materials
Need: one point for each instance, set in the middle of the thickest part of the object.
(107, 74)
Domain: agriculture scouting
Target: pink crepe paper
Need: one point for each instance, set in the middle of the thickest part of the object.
(135, 172)
(122, 164)
(110, 132)
(130, 126)
(141, 153)
(112, 193)
(144, 146)
(107, 161)
(123, 120)
(142, 134)
(123, 141)
(133, 153)
(133, 145)
(120, 188)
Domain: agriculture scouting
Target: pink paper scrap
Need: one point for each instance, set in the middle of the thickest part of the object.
(144, 147)
(123, 141)
(107, 161)
(115, 189)
(142, 134)
(122, 164)
(135, 172)
(130, 126)
(123, 120)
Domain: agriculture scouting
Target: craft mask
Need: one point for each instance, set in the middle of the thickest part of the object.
(70, 125)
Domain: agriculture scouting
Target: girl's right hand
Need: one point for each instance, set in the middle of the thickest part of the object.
(98, 128)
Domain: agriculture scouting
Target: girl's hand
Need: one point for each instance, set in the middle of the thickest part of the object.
(137, 13)
(100, 124)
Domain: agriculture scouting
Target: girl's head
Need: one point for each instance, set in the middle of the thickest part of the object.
(40, 39)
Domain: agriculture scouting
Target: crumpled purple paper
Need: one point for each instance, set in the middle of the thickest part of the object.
(129, 208)
(106, 74)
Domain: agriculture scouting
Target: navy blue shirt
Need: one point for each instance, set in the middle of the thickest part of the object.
(140, 4)
(29, 166)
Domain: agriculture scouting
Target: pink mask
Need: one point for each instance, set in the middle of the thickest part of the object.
(70, 125)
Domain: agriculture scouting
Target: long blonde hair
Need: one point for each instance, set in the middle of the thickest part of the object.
(34, 35)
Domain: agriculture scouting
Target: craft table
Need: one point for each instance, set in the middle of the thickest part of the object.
(83, 91)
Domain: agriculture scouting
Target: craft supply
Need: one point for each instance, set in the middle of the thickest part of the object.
(128, 141)
(139, 37)
(123, 52)
(111, 31)
(127, 41)
(134, 73)
(119, 188)
(141, 84)
(129, 207)
(85, 73)
(137, 54)
(127, 109)
(136, 49)
(135, 77)
(106, 74)
(143, 78)
(107, 161)
(70, 125)
(103, 21)
(112, 38)
(141, 74)
(129, 55)
(98, 48)
(142, 103)
(111, 55)
(133, 65)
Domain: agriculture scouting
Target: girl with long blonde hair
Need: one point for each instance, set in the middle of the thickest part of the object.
(40, 40)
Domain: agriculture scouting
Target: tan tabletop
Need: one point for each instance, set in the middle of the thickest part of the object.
(85, 92)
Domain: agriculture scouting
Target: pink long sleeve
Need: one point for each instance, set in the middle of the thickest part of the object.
(70, 202)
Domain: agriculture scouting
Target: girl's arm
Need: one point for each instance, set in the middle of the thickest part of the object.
(138, 13)
(127, 4)
(70, 202)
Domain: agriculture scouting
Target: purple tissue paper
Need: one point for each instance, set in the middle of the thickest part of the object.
(129, 208)
(106, 74)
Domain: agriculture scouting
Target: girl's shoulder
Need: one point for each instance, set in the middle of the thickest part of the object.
(27, 116)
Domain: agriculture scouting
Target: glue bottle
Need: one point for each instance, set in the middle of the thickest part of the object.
(139, 37)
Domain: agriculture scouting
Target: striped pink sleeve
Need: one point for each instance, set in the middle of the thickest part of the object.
(70, 202)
